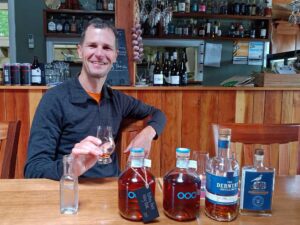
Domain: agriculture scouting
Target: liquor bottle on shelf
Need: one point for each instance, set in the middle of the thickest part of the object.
(257, 187)
(222, 181)
(181, 189)
(166, 70)
(105, 5)
(158, 77)
(111, 5)
(187, 6)
(135, 177)
(208, 28)
(194, 7)
(51, 25)
(99, 5)
(202, 6)
(36, 72)
(263, 30)
(66, 26)
(183, 71)
(175, 80)
(68, 188)
(181, 6)
(253, 8)
(59, 26)
(73, 26)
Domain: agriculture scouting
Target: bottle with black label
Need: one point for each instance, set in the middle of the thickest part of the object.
(182, 70)
(158, 77)
(36, 72)
(175, 80)
(263, 30)
(66, 26)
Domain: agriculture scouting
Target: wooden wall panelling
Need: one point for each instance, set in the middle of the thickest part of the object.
(10, 106)
(190, 129)
(207, 116)
(273, 106)
(22, 109)
(154, 98)
(2, 104)
(226, 106)
(258, 106)
(172, 107)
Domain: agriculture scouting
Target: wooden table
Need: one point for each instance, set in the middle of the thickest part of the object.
(36, 201)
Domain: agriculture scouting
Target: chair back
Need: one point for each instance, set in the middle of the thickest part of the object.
(128, 130)
(9, 138)
(281, 144)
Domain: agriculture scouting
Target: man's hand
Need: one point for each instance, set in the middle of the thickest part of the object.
(85, 154)
(143, 140)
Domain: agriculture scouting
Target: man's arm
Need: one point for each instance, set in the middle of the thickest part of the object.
(44, 136)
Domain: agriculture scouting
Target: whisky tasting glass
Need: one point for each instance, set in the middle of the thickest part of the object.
(201, 158)
(107, 146)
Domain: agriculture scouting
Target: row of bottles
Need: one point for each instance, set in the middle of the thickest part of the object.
(23, 73)
(168, 71)
(105, 5)
(64, 23)
(182, 186)
(212, 29)
(230, 7)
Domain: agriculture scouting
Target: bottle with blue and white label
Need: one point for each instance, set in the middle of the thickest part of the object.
(222, 181)
(257, 187)
(134, 178)
(181, 189)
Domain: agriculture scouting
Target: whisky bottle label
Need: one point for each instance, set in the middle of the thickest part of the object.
(147, 204)
(257, 190)
(222, 190)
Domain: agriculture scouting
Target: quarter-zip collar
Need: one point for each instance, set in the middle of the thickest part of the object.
(79, 95)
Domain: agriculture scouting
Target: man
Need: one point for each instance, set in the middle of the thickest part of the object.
(68, 115)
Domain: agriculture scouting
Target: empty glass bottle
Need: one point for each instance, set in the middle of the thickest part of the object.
(68, 188)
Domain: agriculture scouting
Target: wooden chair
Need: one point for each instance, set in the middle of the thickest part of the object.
(9, 138)
(129, 129)
(281, 144)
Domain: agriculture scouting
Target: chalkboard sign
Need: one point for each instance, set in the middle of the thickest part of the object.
(119, 74)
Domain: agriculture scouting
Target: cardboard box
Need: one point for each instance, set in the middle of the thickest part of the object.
(277, 80)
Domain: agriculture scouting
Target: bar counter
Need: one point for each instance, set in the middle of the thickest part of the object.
(189, 110)
(36, 201)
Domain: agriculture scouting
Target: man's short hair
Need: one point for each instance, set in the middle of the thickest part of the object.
(101, 24)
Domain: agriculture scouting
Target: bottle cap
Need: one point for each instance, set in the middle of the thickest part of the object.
(225, 131)
(137, 151)
(182, 150)
(259, 151)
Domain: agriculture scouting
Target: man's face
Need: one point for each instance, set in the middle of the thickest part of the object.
(98, 52)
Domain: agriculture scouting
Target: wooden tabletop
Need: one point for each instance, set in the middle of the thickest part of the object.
(36, 201)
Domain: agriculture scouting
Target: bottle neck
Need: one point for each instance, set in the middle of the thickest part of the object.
(224, 146)
(137, 162)
(258, 161)
(182, 162)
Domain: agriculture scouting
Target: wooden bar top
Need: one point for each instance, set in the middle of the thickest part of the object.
(36, 201)
(167, 88)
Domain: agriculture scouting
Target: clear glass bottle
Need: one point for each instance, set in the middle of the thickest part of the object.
(68, 188)
(134, 177)
(222, 181)
(257, 187)
(181, 189)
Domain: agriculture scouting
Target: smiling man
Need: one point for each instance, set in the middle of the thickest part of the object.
(67, 117)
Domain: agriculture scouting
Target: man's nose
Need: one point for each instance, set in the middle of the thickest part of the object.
(99, 51)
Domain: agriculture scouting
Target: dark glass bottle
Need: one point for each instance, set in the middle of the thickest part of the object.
(166, 69)
(134, 177)
(181, 189)
(175, 80)
(263, 30)
(182, 70)
(36, 72)
(66, 26)
(158, 77)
